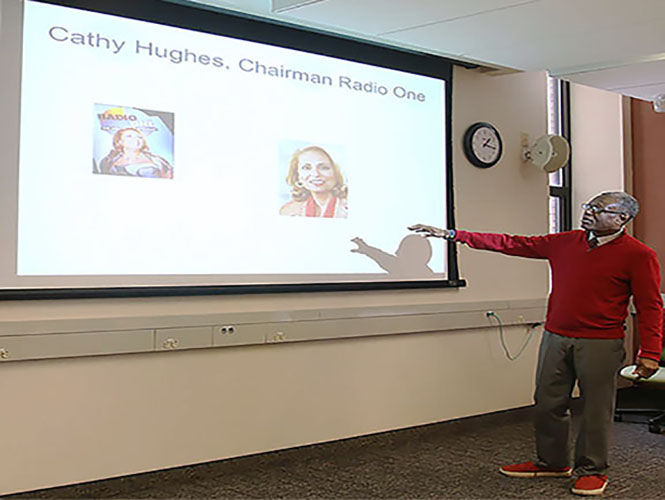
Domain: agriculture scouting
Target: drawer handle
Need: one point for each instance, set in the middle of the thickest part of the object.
(4, 354)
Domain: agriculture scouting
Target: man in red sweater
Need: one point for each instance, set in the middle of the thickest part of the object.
(594, 273)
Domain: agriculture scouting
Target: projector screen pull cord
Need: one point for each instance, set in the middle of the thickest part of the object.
(530, 332)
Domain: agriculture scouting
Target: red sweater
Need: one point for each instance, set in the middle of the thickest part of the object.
(591, 287)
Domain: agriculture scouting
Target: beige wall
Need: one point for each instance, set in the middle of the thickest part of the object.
(597, 144)
(80, 419)
(511, 197)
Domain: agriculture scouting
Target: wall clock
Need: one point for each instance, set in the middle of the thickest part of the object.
(483, 145)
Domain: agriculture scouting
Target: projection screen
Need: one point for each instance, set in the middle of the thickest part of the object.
(155, 147)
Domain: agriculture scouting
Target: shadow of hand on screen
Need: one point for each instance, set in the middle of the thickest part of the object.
(409, 261)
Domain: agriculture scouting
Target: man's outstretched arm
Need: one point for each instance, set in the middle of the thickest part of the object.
(536, 247)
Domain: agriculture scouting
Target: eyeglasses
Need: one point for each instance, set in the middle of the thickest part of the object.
(598, 210)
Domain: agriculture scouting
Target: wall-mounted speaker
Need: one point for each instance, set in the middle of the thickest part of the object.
(549, 153)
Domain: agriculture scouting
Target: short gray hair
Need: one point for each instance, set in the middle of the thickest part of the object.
(626, 202)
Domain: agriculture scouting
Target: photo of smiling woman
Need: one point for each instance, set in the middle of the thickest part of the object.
(317, 185)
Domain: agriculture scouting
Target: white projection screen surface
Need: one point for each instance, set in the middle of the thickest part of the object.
(146, 156)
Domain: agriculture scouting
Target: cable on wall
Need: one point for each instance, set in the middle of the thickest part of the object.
(529, 336)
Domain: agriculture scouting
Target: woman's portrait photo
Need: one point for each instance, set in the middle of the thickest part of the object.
(317, 186)
(132, 142)
(131, 156)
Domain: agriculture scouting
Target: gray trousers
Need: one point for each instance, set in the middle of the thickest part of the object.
(594, 363)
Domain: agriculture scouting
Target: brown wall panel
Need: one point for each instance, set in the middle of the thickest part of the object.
(648, 148)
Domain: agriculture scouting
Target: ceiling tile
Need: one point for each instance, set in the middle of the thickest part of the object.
(257, 7)
(546, 22)
(633, 75)
(647, 92)
(381, 16)
(595, 50)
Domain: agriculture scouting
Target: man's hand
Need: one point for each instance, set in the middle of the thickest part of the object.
(645, 367)
(432, 232)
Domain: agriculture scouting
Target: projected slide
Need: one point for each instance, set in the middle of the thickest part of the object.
(155, 155)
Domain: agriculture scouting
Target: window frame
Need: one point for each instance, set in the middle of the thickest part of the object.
(562, 193)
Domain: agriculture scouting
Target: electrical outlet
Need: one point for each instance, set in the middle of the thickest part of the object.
(226, 330)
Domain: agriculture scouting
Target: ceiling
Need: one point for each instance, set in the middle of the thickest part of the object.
(617, 45)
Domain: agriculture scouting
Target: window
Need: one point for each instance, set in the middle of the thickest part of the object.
(558, 122)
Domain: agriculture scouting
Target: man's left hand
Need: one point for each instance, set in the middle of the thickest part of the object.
(645, 367)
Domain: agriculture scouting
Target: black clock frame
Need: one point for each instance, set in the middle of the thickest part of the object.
(468, 149)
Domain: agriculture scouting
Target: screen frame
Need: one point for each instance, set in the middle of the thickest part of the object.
(208, 19)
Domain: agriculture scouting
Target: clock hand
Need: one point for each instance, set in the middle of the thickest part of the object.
(487, 141)
(489, 146)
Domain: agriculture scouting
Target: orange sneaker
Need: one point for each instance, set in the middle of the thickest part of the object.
(529, 469)
(590, 485)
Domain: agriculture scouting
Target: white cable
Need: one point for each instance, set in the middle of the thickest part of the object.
(529, 335)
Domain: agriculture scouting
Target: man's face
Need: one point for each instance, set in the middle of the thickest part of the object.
(603, 216)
